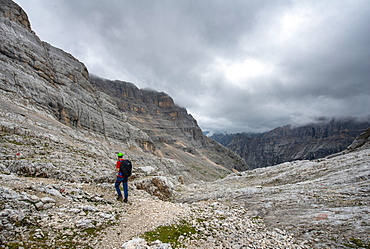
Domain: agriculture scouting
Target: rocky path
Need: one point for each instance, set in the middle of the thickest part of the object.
(41, 212)
(143, 213)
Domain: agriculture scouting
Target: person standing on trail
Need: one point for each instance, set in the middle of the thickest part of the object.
(123, 168)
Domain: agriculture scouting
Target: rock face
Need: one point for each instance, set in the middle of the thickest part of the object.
(14, 13)
(49, 97)
(362, 141)
(173, 132)
(285, 144)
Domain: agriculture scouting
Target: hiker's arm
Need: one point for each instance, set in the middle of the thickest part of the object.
(117, 166)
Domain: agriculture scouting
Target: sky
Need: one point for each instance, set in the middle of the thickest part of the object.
(235, 65)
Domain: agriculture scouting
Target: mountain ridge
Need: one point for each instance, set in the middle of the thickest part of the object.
(289, 143)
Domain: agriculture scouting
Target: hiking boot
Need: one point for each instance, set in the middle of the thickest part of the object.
(119, 198)
(125, 200)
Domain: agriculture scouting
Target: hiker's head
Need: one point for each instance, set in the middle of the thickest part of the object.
(120, 155)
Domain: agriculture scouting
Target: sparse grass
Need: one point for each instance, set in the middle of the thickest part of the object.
(24, 223)
(357, 243)
(92, 230)
(170, 234)
(256, 218)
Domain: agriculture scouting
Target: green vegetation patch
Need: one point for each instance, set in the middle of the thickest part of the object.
(92, 230)
(170, 234)
(256, 218)
(357, 243)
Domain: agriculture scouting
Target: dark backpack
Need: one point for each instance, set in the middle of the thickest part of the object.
(125, 168)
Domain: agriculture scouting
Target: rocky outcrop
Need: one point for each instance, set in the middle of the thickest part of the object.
(285, 144)
(362, 141)
(14, 13)
(141, 243)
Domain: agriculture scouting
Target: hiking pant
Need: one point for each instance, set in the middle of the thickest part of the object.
(124, 181)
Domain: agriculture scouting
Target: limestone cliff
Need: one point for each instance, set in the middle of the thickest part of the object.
(49, 96)
(173, 132)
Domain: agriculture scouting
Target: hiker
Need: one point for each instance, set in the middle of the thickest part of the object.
(123, 167)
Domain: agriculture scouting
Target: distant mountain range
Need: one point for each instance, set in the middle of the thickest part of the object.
(289, 143)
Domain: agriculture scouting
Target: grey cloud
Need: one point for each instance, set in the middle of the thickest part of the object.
(310, 57)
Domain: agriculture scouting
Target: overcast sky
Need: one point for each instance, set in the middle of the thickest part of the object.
(235, 65)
